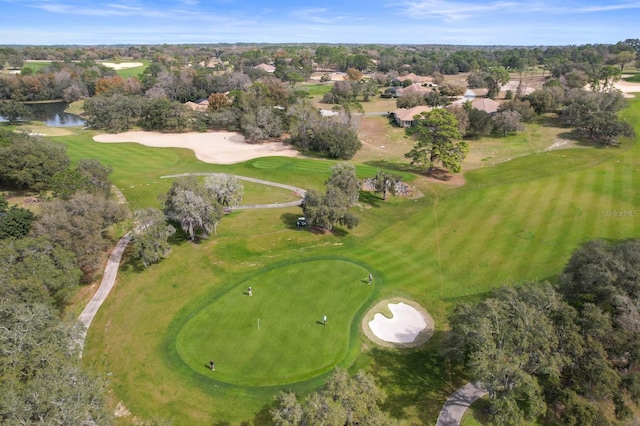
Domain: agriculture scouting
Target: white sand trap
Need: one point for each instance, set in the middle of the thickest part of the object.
(403, 327)
(210, 147)
(123, 65)
(627, 88)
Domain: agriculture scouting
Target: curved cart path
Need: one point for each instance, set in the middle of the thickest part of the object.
(111, 270)
(298, 191)
(108, 280)
(458, 402)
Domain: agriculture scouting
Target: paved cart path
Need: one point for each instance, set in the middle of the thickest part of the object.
(458, 402)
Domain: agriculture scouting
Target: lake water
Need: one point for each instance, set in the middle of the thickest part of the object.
(53, 115)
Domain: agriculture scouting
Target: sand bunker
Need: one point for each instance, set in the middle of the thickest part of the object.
(210, 147)
(123, 65)
(408, 325)
(627, 88)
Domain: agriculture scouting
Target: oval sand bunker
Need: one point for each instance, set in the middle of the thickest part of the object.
(409, 325)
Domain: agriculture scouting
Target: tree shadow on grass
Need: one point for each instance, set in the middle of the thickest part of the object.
(262, 417)
(290, 219)
(393, 167)
(418, 378)
(370, 199)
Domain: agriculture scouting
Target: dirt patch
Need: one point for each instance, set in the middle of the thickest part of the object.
(381, 141)
(560, 144)
(382, 308)
(443, 176)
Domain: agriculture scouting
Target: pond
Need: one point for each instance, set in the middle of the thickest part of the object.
(53, 115)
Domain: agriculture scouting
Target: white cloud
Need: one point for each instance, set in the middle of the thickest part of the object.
(317, 15)
(451, 11)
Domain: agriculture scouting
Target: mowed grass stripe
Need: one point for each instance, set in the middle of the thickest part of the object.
(549, 220)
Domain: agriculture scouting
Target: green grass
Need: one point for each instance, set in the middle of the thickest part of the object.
(36, 66)
(633, 79)
(318, 89)
(133, 72)
(292, 344)
(514, 221)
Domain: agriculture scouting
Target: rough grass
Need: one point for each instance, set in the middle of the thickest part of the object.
(513, 221)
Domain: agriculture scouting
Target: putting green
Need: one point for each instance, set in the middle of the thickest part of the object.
(288, 304)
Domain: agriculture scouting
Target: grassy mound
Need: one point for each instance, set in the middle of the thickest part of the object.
(292, 344)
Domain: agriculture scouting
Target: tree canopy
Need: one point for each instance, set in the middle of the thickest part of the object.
(438, 141)
(30, 161)
(150, 239)
(343, 401)
(191, 205)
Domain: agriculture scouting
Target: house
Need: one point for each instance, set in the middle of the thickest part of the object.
(485, 104)
(413, 78)
(265, 67)
(404, 116)
(414, 88)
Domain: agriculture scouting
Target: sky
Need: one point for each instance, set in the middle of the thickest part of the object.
(460, 22)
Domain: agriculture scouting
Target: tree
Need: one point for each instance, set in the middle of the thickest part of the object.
(261, 123)
(522, 107)
(41, 379)
(480, 123)
(77, 224)
(30, 161)
(97, 175)
(451, 90)
(218, 100)
(595, 115)
(508, 121)
(114, 113)
(343, 401)
(191, 205)
(150, 239)
(35, 270)
(602, 79)
(438, 141)
(343, 177)
(496, 78)
(67, 182)
(325, 211)
(15, 111)
(226, 189)
(384, 183)
(511, 342)
(336, 140)
(410, 100)
(288, 411)
(165, 115)
(4, 203)
(303, 120)
(477, 80)
(15, 222)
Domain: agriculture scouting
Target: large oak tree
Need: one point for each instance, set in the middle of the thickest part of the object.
(438, 141)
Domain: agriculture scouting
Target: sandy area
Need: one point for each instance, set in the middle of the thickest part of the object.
(210, 147)
(513, 86)
(123, 65)
(627, 88)
(406, 324)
